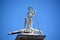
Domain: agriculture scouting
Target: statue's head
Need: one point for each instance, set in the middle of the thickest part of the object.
(30, 8)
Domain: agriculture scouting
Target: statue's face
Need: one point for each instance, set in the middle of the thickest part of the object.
(30, 9)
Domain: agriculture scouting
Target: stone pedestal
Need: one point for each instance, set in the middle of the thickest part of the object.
(30, 37)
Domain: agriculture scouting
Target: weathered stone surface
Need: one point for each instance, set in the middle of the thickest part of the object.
(30, 37)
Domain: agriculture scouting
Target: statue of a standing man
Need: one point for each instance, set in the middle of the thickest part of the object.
(30, 15)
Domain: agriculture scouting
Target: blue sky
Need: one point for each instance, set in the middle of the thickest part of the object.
(13, 13)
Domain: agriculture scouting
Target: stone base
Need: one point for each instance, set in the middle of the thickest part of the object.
(30, 37)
